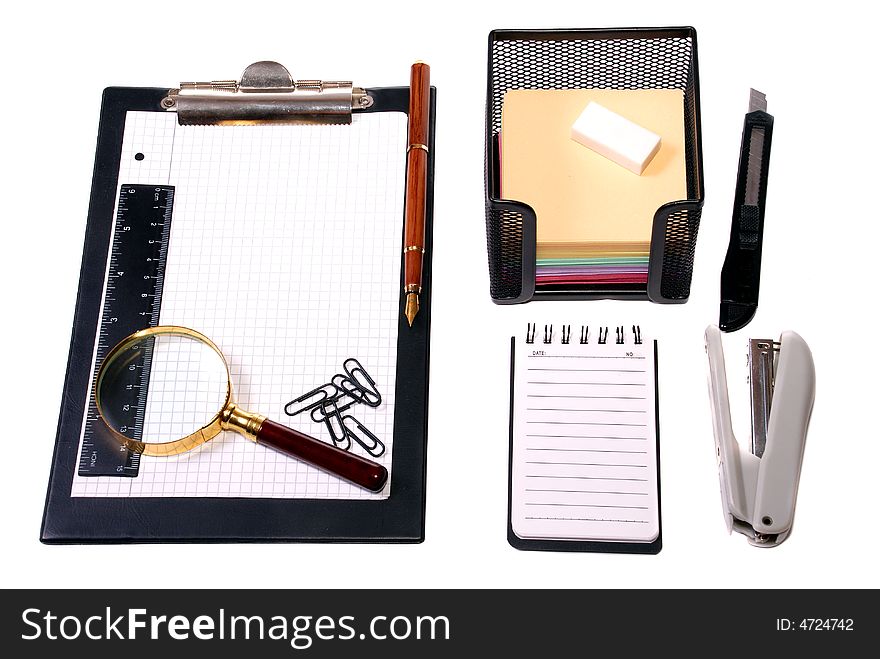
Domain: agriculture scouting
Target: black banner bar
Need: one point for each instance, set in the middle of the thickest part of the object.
(422, 623)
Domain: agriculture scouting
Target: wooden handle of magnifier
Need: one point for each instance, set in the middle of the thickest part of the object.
(346, 465)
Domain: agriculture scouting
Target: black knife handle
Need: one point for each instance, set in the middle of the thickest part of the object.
(741, 273)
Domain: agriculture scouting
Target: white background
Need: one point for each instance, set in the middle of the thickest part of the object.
(818, 68)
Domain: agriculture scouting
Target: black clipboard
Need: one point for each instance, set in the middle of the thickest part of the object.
(399, 519)
(608, 547)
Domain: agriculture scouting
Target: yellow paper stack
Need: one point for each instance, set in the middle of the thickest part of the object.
(594, 217)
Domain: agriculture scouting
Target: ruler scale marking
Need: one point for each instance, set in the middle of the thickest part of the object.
(132, 301)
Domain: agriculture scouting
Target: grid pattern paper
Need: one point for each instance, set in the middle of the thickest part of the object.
(285, 250)
(188, 384)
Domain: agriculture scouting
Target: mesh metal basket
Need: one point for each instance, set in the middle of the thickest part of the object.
(636, 58)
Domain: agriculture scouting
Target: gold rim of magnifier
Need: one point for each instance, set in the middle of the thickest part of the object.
(207, 432)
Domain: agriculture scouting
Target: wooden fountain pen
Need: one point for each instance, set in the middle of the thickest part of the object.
(416, 186)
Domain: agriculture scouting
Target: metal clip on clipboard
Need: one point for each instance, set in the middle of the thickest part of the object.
(759, 486)
(265, 94)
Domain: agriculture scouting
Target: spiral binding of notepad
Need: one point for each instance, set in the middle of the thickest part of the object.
(599, 334)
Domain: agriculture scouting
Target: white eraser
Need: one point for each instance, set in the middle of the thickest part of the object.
(615, 137)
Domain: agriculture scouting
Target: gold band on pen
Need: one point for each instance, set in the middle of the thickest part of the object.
(412, 288)
(413, 248)
(417, 146)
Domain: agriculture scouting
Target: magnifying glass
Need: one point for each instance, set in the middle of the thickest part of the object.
(191, 402)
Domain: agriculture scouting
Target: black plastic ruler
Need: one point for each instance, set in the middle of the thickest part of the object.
(132, 299)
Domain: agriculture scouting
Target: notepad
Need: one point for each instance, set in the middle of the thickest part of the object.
(586, 205)
(285, 247)
(584, 439)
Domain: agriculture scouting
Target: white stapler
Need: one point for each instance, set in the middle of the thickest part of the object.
(759, 486)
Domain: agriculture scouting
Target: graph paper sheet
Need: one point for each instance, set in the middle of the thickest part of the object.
(285, 250)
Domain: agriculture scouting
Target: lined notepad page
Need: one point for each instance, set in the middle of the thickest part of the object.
(285, 250)
(584, 441)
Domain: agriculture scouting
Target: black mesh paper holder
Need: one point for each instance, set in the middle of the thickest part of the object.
(623, 58)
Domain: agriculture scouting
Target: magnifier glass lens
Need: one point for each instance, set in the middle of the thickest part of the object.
(161, 388)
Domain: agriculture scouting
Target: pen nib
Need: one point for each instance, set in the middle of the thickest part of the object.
(412, 307)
